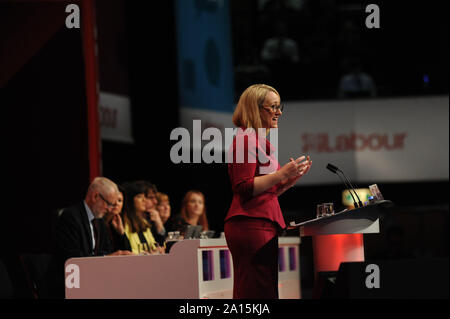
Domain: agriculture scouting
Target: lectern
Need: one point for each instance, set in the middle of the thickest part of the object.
(339, 238)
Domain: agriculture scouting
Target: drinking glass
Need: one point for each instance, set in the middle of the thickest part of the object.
(328, 209)
(320, 211)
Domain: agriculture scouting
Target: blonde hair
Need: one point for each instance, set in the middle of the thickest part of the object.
(162, 197)
(247, 112)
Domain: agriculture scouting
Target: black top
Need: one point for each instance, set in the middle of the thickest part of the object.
(176, 223)
(119, 242)
(159, 238)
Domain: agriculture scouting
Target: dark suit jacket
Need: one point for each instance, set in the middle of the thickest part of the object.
(74, 237)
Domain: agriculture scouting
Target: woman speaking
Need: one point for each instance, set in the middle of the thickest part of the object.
(254, 218)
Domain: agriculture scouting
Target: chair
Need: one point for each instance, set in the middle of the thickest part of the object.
(42, 275)
(54, 216)
(6, 289)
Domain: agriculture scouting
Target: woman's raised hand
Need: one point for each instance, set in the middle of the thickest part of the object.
(304, 166)
(118, 224)
(295, 167)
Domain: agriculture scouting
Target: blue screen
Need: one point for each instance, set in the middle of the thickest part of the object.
(205, 74)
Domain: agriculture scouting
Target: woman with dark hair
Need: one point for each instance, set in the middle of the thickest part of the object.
(137, 228)
(152, 215)
(114, 222)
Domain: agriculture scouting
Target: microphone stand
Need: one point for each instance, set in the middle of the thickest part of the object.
(360, 203)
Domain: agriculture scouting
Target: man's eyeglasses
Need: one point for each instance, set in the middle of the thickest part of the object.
(107, 203)
(275, 108)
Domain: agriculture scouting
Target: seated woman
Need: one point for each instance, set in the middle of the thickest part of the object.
(163, 207)
(193, 212)
(137, 228)
(152, 215)
(114, 222)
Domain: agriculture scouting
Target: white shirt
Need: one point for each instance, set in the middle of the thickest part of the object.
(91, 218)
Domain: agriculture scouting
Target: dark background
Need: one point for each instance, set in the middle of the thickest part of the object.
(45, 128)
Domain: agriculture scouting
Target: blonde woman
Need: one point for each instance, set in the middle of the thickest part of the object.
(163, 206)
(254, 218)
(114, 223)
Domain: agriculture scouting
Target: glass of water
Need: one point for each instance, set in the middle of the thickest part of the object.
(319, 211)
(328, 209)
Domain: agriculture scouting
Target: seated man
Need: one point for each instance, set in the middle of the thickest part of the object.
(81, 231)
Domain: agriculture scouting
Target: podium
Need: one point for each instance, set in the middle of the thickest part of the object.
(339, 238)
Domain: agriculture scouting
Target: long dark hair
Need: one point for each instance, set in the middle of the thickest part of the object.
(137, 223)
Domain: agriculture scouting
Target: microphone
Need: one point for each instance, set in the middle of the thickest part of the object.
(332, 168)
(350, 187)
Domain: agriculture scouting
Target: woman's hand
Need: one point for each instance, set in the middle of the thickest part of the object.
(301, 169)
(122, 253)
(294, 168)
(154, 217)
(290, 171)
(158, 250)
(118, 224)
(304, 166)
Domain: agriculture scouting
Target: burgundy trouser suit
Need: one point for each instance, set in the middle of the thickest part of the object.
(253, 221)
(253, 243)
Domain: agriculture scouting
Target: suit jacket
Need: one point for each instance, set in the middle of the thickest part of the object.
(258, 158)
(74, 236)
